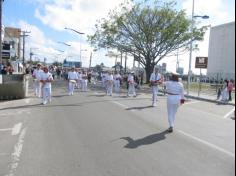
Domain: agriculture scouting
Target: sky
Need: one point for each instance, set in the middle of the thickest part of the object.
(46, 21)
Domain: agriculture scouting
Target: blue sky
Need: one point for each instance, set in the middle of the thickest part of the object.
(46, 19)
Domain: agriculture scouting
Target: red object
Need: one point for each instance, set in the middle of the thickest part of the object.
(182, 101)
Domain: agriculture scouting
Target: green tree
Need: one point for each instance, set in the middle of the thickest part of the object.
(149, 31)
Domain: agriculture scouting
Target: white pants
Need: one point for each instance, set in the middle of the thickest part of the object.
(109, 89)
(173, 102)
(154, 94)
(37, 88)
(117, 86)
(84, 85)
(71, 88)
(131, 90)
(47, 95)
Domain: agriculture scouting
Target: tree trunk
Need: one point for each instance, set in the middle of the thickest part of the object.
(149, 68)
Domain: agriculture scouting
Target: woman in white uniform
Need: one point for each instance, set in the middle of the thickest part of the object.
(175, 97)
(46, 79)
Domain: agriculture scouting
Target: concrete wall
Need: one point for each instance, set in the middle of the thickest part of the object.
(14, 87)
(221, 54)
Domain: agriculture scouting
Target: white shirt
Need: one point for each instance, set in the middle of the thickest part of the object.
(72, 75)
(174, 87)
(131, 78)
(46, 76)
(37, 74)
(155, 77)
(117, 77)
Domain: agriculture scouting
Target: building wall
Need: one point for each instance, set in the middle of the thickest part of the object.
(13, 35)
(221, 53)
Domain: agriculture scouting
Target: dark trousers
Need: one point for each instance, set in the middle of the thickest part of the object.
(230, 96)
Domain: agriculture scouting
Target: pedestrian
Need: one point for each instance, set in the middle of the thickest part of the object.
(131, 83)
(109, 80)
(84, 81)
(46, 79)
(117, 81)
(155, 81)
(175, 97)
(72, 80)
(230, 88)
(36, 78)
(225, 93)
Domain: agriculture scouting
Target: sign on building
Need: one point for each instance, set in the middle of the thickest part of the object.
(201, 62)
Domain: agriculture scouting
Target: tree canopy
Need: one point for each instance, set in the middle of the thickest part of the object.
(150, 32)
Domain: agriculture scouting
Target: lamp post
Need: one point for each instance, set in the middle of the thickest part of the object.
(191, 46)
(80, 33)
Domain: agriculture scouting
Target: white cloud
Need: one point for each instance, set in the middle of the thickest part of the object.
(37, 42)
(77, 14)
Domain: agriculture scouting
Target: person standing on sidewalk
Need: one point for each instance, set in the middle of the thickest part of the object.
(230, 88)
(46, 79)
(175, 91)
(155, 80)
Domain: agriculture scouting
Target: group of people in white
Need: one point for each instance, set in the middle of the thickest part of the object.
(79, 79)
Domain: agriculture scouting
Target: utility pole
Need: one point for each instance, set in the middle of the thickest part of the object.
(90, 60)
(24, 35)
(1, 32)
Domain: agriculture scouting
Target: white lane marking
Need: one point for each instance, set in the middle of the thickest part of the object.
(208, 144)
(122, 105)
(5, 129)
(16, 154)
(16, 129)
(229, 113)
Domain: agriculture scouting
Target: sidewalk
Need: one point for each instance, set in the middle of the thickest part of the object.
(210, 96)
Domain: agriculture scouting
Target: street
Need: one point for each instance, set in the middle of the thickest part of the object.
(91, 134)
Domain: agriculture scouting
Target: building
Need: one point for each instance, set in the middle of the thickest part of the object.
(12, 37)
(221, 53)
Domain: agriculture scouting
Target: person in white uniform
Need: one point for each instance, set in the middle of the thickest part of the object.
(109, 80)
(46, 79)
(175, 98)
(155, 81)
(36, 76)
(72, 78)
(84, 81)
(117, 80)
(131, 82)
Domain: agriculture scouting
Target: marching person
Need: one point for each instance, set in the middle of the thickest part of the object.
(117, 80)
(155, 80)
(131, 82)
(46, 79)
(72, 78)
(84, 81)
(36, 76)
(175, 97)
(109, 80)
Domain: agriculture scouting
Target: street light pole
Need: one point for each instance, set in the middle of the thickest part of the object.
(191, 47)
(190, 53)
(80, 33)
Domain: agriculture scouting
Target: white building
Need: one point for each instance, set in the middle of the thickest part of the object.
(221, 53)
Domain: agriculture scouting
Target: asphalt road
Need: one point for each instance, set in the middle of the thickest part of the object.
(90, 134)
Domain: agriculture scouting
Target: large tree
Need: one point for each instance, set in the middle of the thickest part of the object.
(149, 31)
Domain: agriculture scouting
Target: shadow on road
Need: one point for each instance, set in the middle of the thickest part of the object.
(138, 108)
(132, 144)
